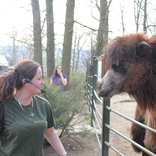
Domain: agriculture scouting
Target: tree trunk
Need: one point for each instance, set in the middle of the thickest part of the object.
(102, 36)
(122, 20)
(14, 49)
(37, 31)
(145, 17)
(68, 35)
(137, 12)
(50, 38)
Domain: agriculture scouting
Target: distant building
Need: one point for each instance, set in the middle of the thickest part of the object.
(3, 64)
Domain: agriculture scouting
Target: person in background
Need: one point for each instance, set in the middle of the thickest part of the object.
(27, 118)
(5, 72)
(58, 78)
(45, 74)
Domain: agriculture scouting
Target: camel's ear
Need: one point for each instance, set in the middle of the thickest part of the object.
(141, 49)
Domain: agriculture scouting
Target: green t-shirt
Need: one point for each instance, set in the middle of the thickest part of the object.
(23, 135)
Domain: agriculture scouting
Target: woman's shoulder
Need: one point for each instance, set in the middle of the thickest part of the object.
(9, 100)
(41, 100)
(52, 76)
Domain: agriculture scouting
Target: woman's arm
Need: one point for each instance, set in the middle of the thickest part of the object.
(54, 141)
(64, 80)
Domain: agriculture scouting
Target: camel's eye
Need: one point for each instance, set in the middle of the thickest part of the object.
(117, 68)
(122, 67)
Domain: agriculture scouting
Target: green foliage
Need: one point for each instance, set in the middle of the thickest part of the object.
(69, 106)
(88, 117)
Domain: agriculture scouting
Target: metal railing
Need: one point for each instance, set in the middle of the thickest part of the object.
(100, 120)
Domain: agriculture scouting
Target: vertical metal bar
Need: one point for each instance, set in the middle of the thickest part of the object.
(86, 88)
(94, 82)
(92, 104)
(94, 76)
(90, 74)
(105, 130)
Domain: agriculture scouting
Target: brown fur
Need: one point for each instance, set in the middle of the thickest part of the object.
(140, 81)
(137, 132)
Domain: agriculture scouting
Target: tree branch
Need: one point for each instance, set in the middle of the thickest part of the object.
(85, 26)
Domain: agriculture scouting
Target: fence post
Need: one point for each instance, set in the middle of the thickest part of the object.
(87, 81)
(105, 130)
(94, 81)
(94, 76)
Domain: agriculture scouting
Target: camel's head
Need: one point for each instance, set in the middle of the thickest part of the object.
(113, 81)
(129, 61)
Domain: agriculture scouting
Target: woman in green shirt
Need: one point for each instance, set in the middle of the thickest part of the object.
(27, 117)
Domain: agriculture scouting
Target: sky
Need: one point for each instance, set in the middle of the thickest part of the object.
(18, 16)
(12, 16)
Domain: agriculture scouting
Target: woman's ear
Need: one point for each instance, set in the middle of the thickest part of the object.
(24, 81)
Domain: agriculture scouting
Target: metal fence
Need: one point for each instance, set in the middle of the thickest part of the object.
(101, 120)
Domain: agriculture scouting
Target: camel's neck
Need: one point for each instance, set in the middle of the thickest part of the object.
(146, 98)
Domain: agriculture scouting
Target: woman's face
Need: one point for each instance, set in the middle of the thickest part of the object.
(38, 81)
(59, 69)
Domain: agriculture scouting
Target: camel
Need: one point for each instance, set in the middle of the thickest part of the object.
(131, 67)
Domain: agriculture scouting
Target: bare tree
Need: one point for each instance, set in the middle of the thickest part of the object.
(74, 53)
(13, 52)
(68, 35)
(27, 43)
(137, 12)
(145, 16)
(14, 49)
(122, 18)
(37, 31)
(102, 36)
(50, 38)
(79, 42)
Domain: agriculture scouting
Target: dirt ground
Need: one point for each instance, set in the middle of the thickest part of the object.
(87, 145)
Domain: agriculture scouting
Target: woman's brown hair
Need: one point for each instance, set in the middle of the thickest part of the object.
(13, 81)
(55, 71)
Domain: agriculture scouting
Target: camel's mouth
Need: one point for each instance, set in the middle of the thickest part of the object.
(111, 84)
(105, 93)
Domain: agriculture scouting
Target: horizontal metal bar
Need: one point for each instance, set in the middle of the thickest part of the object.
(89, 76)
(132, 120)
(97, 97)
(99, 142)
(131, 141)
(100, 57)
(87, 97)
(113, 148)
(89, 92)
(100, 129)
(97, 109)
(89, 86)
